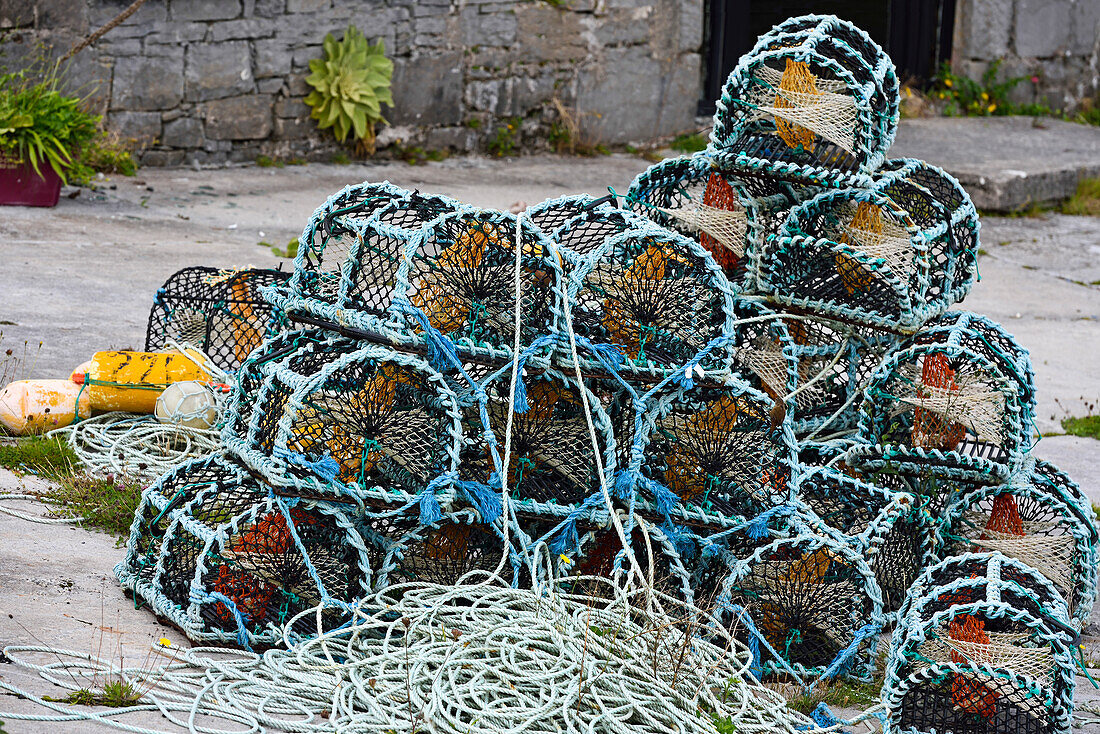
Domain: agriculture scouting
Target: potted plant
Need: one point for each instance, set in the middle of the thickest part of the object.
(42, 133)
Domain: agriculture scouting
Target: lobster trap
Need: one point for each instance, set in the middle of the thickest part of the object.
(806, 604)
(327, 417)
(943, 410)
(987, 339)
(707, 454)
(818, 367)
(1032, 522)
(351, 250)
(729, 215)
(446, 549)
(219, 312)
(657, 296)
(816, 100)
(552, 464)
(984, 647)
(892, 531)
(940, 206)
(221, 558)
(854, 255)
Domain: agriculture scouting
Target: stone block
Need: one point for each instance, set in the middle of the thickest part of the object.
(273, 85)
(1085, 28)
(174, 34)
(238, 118)
(292, 108)
(294, 129)
(621, 26)
(119, 46)
(982, 29)
(161, 158)
(16, 14)
(493, 96)
(218, 70)
(69, 14)
(185, 132)
(691, 25)
(1043, 27)
(141, 127)
(105, 11)
(450, 138)
(206, 9)
(631, 96)
(273, 58)
(268, 8)
(532, 92)
(307, 6)
(249, 29)
(549, 34)
(427, 90)
(301, 56)
(296, 85)
(487, 29)
(147, 82)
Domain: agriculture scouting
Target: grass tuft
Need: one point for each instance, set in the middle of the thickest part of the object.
(116, 694)
(45, 456)
(1086, 201)
(105, 503)
(1086, 427)
(688, 143)
(840, 694)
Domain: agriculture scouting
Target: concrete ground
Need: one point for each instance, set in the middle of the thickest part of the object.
(80, 278)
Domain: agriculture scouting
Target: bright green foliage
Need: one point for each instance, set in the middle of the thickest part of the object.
(40, 125)
(350, 85)
(685, 143)
(1086, 427)
(966, 96)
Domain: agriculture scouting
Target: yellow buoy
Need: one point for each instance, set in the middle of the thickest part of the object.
(37, 406)
(132, 381)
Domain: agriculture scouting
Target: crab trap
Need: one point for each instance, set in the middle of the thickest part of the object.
(807, 604)
(815, 101)
(552, 465)
(941, 409)
(216, 554)
(818, 367)
(857, 255)
(706, 454)
(988, 339)
(445, 550)
(217, 311)
(332, 418)
(939, 204)
(729, 215)
(658, 297)
(892, 531)
(350, 252)
(984, 647)
(1030, 521)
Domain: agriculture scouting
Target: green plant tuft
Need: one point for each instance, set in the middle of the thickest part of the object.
(1086, 427)
(350, 85)
(504, 142)
(685, 143)
(106, 503)
(1086, 200)
(264, 161)
(290, 251)
(45, 456)
(38, 124)
(966, 96)
(115, 694)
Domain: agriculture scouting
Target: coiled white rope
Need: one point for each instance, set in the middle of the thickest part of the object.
(474, 657)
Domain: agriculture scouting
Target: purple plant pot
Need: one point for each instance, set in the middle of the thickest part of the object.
(21, 186)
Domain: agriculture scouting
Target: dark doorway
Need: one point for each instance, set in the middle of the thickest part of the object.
(916, 33)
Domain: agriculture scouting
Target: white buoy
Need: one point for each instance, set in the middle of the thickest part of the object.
(190, 404)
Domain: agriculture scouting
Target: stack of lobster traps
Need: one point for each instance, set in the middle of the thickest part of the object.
(747, 362)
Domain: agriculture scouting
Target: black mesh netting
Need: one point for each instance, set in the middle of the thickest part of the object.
(218, 311)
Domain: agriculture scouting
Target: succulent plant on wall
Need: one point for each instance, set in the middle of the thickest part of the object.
(350, 85)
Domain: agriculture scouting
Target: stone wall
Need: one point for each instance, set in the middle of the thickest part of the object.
(1053, 44)
(208, 81)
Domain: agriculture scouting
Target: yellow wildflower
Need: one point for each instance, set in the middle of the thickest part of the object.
(991, 107)
(164, 642)
(947, 83)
